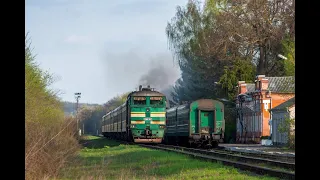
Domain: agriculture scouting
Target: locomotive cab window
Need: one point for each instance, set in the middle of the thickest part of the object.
(156, 101)
(139, 101)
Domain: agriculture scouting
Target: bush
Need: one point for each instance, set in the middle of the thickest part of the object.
(50, 138)
(287, 127)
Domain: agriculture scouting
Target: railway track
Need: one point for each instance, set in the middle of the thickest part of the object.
(286, 158)
(281, 158)
(248, 157)
(239, 161)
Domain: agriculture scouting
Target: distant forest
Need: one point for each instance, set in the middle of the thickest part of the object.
(70, 107)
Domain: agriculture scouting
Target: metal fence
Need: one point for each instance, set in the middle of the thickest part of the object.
(278, 138)
(249, 129)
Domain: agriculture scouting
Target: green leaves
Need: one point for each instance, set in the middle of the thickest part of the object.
(287, 126)
(42, 104)
(242, 70)
(228, 41)
(115, 102)
(288, 45)
(49, 137)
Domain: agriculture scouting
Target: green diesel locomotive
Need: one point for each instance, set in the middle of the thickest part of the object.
(141, 119)
(196, 124)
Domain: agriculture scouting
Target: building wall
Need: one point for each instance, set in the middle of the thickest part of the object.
(256, 122)
(278, 118)
(276, 99)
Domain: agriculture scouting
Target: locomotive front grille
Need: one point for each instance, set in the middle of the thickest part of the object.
(205, 130)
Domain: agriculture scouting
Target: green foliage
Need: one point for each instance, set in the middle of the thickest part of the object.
(49, 137)
(70, 107)
(287, 127)
(215, 6)
(115, 102)
(241, 70)
(187, 33)
(105, 159)
(91, 115)
(220, 42)
(37, 93)
(184, 29)
(289, 52)
(91, 118)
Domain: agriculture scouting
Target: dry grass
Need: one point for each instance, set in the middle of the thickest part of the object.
(46, 155)
(49, 137)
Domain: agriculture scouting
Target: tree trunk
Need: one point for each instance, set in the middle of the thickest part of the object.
(261, 63)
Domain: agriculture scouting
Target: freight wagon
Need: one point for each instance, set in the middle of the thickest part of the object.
(141, 119)
(197, 124)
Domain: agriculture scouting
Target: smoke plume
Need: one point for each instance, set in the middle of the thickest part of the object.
(160, 74)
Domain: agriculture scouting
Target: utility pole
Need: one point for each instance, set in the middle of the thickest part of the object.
(77, 96)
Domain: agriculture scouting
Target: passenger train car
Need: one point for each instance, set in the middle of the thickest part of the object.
(197, 124)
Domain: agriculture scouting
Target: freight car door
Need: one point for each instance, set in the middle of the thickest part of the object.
(207, 119)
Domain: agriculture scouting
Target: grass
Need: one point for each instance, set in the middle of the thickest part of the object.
(105, 159)
(274, 167)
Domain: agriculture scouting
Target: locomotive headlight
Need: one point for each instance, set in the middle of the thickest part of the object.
(132, 126)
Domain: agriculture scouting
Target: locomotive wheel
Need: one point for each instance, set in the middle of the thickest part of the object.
(214, 144)
(208, 146)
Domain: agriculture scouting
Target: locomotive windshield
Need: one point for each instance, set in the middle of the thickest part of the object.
(139, 101)
(156, 101)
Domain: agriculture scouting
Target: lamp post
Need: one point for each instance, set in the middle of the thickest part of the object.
(282, 57)
(77, 96)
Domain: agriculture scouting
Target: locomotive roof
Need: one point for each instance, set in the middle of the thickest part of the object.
(137, 93)
(202, 104)
(146, 93)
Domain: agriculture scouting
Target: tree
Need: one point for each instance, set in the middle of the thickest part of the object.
(240, 71)
(257, 27)
(288, 45)
(115, 102)
(187, 35)
(91, 118)
(214, 43)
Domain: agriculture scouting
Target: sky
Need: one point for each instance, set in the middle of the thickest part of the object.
(102, 48)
